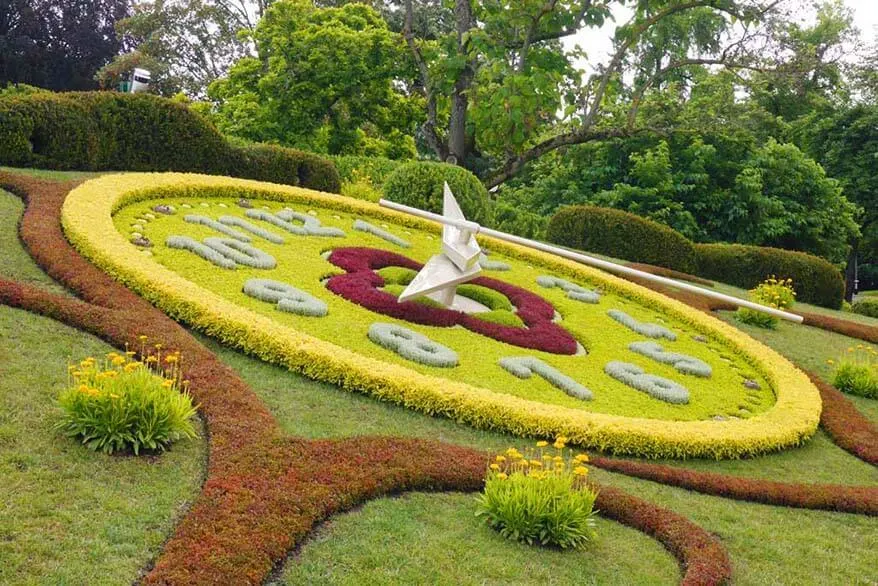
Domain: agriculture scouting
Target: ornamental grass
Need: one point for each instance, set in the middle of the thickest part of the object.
(122, 404)
(541, 496)
(772, 292)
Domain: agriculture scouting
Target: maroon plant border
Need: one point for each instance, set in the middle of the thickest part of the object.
(265, 492)
(360, 284)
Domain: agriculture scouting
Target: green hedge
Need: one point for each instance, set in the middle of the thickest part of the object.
(814, 279)
(867, 306)
(101, 131)
(419, 184)
(513, 220)
(622, 235)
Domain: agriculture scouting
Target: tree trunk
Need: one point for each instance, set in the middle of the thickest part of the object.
(850, 271)
(463, 14)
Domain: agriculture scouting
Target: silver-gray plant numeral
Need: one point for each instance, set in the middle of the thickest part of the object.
(412, 346)
(525, 366)
(287, 297)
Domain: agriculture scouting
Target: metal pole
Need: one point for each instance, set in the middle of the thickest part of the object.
(595, 262)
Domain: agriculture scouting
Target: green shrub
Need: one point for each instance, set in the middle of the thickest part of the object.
(419, 184)
(352, 168)
(622, 235)
(773, 292)
(123, 405)
(540, 497)
(111, 131)
(867, 306)
(817, 281)
(512, 220)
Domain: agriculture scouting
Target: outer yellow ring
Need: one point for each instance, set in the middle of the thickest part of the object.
(87, 221)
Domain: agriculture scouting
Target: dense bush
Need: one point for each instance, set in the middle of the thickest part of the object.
(857, 372)
(353, 168)
(867, 306)
(622, 235)
(773, 292)
(419, 184)
(816, 280)
(510, 219)
(98, 131)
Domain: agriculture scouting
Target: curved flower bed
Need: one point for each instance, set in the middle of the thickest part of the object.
(87, 220)
(264, 492)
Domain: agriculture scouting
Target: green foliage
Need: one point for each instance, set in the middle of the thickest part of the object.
(420, 184)
(772, 292)
(357, 168)
(322, 80)
(485, 296)
(868, 306)
(514, 220)
(857, 372)
(361, 189)
(817, 281)
(540, 497)
(622, 235)
(123, 405)
(140, 132)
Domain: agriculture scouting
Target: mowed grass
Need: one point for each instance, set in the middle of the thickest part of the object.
(69, 515)
(768, 545)
(422, 538)
(53, 175)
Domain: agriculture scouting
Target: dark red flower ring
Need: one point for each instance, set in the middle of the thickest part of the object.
(361, 285)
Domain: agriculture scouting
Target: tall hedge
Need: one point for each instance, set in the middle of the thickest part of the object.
(814, 279)
(111, 131)
(623, 235)
(420, 184)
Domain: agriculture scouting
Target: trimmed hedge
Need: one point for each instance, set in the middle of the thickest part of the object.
(99, 131)
(377, 169)
(814, 279)
(622, 235)
(419, 184)
(866, 306)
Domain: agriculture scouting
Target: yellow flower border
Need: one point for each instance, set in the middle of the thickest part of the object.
(87, 221)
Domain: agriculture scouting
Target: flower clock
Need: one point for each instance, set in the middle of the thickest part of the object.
(535, 345)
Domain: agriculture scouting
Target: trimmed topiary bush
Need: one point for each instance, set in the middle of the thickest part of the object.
(100, 131)
(817, 281)
(868, 306)
(419, 184)
(622, 235)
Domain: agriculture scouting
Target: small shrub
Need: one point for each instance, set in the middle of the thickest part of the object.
(773, 292)
(420, 184)
(817, 281)
(868, 306)
(540, 497)
(621, 235)
(376, 170)
(124, 404)
(360, 188)
(857, 372)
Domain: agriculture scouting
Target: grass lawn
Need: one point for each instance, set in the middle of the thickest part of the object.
(68, 516)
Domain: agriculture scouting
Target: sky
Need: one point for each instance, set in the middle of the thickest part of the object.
(597, 42)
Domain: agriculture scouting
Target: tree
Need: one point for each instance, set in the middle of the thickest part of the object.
(846, 143)
(493, 88)
(324, 79)
(57, 44)
(185, 44)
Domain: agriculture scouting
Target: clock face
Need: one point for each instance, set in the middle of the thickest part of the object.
(531, 345)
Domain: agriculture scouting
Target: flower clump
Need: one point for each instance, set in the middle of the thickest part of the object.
(541, 495)
(121, 403)
(857, 371)
(772, 292)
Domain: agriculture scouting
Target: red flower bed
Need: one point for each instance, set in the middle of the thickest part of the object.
(845, 425)
(361, 285)
(265, 492)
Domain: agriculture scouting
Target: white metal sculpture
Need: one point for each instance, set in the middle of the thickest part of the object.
(443, 272)
(457, 263)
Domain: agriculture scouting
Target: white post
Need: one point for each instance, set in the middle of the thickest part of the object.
(591, 261)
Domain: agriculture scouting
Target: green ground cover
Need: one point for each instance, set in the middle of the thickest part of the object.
(69, 515)
(301, 264)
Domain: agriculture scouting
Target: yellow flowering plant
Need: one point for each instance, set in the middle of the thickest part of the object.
(857, 372)
(540, 496)
(773, 292)
(119, 403)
